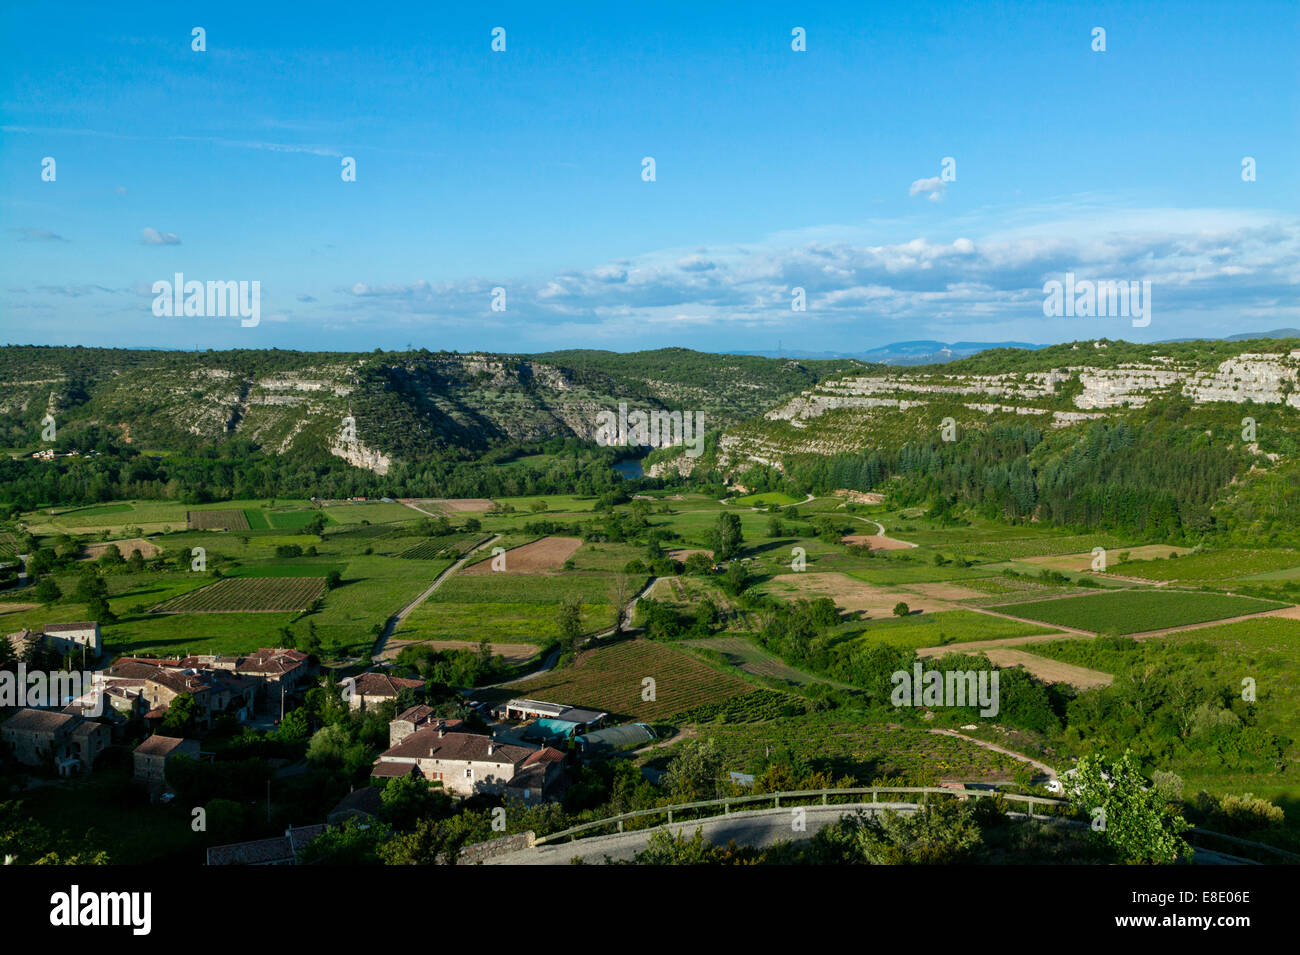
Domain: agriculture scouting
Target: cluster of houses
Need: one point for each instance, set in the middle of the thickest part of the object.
(74, 731)
(521, 757)
(237, 685)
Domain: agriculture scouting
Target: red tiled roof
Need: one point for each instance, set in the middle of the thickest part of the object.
(160, 745)
(381, 684)
(425, 743)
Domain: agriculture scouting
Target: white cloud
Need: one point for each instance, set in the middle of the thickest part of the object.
(149, 236)
(932, 188)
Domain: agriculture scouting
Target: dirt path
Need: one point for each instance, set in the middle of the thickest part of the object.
(1291, 613)
(396, 619)
(1046, 770)
(1049, 670)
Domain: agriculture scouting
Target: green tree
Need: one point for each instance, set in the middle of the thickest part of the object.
(48, 592)
(1128, 816)
(697, 772)
(569, 621)
(901, 609)
(726, 538)
(181, 714)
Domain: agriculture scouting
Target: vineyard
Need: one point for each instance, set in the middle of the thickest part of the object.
(441, 549)
(1036, 547)
(229, 520)
(248, 595)
(611, 679)
(1136, 611)
(1212, 565)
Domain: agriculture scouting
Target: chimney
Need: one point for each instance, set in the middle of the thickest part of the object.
(442, 729)
(491, 747)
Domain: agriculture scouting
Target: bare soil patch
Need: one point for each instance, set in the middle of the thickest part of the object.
(1049, 671)
(146, 548)
(452, 505)
(861, 497)
(855, 595)
(540, 556)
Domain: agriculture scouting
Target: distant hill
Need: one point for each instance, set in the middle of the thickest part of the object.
(402, 405)
(900, 353)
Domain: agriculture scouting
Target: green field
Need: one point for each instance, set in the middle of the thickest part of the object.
(1136, 611)
(770, 499)
(937, 629)
(1213, 565)
(612, 678)
(269, 594)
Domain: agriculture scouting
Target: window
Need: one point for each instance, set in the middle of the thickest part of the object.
(469, 774)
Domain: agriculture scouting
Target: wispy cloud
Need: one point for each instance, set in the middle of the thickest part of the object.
(151, 236)
(38, 235)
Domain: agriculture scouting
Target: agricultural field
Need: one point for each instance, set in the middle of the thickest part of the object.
(539, 557)
(146, 548)
(611, 678)
(228, 520)
(1040, 546)
(1082, 563)
(452, 547)
(744, 654)
(1137, 611)
(938, 629)
(1212, 565)
(248, 595)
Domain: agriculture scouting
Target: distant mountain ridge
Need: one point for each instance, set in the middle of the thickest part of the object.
(929, 352)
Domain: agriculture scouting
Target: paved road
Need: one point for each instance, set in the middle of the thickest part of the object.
(759, 828)
(396, 620)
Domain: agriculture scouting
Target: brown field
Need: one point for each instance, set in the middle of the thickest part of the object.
(146, 548)
(855, 595)
(540, 556)
(232, 520)
(452, 505)
(874, 541)
(16, 607)
(1049, 671)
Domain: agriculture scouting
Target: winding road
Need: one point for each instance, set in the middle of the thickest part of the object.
(396, 619)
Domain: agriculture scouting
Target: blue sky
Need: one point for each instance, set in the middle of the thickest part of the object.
(523, 170)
